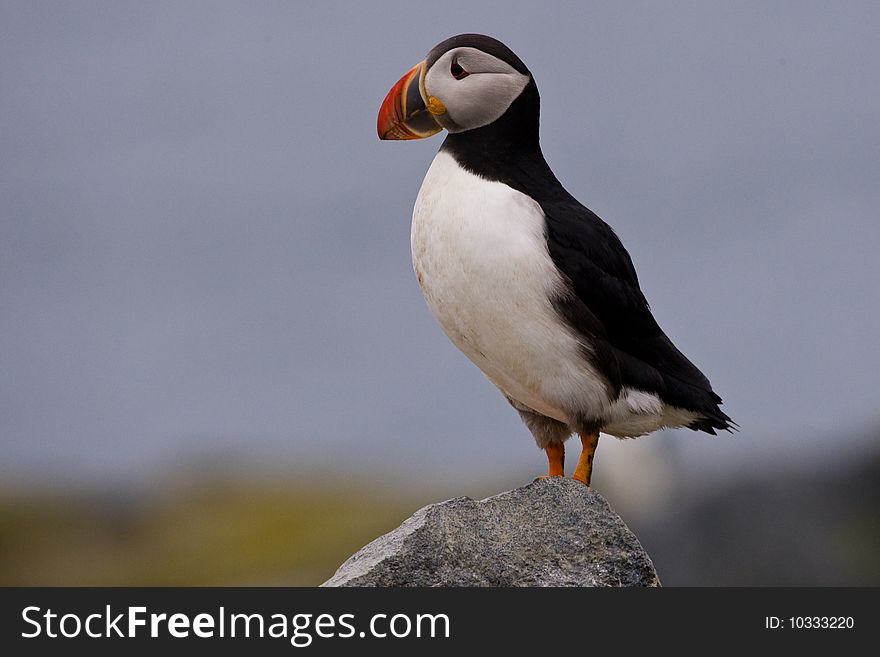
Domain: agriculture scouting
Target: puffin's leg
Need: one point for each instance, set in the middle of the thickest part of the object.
(584, 469)
(555, 460)
(549, 434)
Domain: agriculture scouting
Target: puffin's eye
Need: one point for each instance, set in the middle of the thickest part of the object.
(457, 71)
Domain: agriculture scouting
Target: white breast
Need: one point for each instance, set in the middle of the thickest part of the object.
(480, 255)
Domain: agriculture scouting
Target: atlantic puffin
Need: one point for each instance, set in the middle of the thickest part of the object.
(535, 289)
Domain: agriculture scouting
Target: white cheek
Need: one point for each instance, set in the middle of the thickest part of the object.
(474, 101)
(480, 99)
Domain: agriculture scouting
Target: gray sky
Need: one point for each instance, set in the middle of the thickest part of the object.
(204, 249)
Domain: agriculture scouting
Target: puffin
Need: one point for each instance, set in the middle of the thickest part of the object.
(531, 285)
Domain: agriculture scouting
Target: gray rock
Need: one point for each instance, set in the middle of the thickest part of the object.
(553, 532)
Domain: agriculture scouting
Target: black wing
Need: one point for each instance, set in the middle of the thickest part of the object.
(605, 304)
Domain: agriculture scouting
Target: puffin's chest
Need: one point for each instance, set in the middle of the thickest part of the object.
(479, 252)
(480, 255)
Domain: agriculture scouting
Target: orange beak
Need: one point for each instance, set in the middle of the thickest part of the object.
(407, 112)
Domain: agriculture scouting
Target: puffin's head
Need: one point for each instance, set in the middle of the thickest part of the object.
(465, 82)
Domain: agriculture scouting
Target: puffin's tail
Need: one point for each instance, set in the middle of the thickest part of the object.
(714, 420)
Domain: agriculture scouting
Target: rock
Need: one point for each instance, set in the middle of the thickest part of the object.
(552, 532)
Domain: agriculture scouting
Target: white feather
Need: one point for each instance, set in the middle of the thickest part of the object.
(636, 413)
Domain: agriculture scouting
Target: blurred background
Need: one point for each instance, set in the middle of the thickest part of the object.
(217, 367)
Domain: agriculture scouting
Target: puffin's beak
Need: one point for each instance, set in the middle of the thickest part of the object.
(408, 112)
